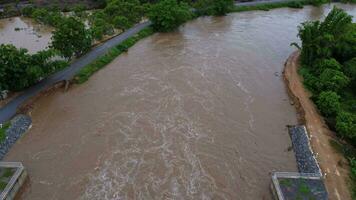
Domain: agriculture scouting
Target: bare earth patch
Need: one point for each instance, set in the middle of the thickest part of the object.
(336, 175)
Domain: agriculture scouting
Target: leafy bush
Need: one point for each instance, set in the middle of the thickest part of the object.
(333, 80)
(310, 81)
(131, 9)
(326, 63)
(295, 4)
(346, 124)
(3, 129)
(318, 2)
(100, 25)
(121, 22)
(353, 168)
(168, 15)
(328, 103)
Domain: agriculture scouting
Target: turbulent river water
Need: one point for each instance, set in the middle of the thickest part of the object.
(25, 33)
(199, 113)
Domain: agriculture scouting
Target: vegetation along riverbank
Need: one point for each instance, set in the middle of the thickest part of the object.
(328, 68)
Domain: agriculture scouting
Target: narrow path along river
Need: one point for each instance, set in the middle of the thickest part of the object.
(199, 113)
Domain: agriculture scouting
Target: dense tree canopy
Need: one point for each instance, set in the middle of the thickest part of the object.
(328, 56)
(71, 38)
(169, 14)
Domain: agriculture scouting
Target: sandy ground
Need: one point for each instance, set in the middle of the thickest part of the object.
(328, 158)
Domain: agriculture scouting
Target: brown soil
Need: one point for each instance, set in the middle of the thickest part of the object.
(336, 176)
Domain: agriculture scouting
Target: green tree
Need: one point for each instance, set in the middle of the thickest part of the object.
(333, 80)
(19, 69)
(71, 38)
(329, 63)
(131, 9)
(329, 103)
(221, 7)
(346, 124)
(213, 7)
(168, 15)
(122, 23)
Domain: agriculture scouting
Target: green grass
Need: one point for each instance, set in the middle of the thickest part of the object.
(8, 172)
(3, 131)
(286, 182)
(84, 74)
(2, 185)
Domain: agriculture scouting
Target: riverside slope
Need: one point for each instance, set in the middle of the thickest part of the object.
(320, 134)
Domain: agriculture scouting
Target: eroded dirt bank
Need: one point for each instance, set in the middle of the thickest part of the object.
(336, 175)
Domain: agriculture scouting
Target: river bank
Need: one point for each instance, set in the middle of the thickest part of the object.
(336, 175)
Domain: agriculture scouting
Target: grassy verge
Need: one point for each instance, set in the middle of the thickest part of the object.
(3, 129)
(269, 6)
(350, 153)
(84, 74)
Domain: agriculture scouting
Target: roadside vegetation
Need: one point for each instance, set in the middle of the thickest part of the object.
(328, 66)
(3, 128)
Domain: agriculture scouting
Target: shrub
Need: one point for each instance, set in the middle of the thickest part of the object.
(350, 70)
(131, 9)
(328, 63)
(3, 129)
(27, 11)
(295, 4)
(168, 15)
(333, 80)
(329, 103)
(122, 23)
(213, 7)
(311, 82)
(346, 124)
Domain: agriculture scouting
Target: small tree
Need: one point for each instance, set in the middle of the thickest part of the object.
(213, 7)
(168, 15)
(71, 38)
(122, 23)
(346, 124)
(221, 7)
(328, 103)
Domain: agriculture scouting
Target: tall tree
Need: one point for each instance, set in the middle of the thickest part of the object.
(71, 38)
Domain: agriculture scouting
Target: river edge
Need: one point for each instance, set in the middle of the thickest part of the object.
(335, 175)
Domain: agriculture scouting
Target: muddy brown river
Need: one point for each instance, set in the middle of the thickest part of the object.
(199, 113)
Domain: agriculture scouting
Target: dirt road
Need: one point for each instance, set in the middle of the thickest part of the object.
(336, 175)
